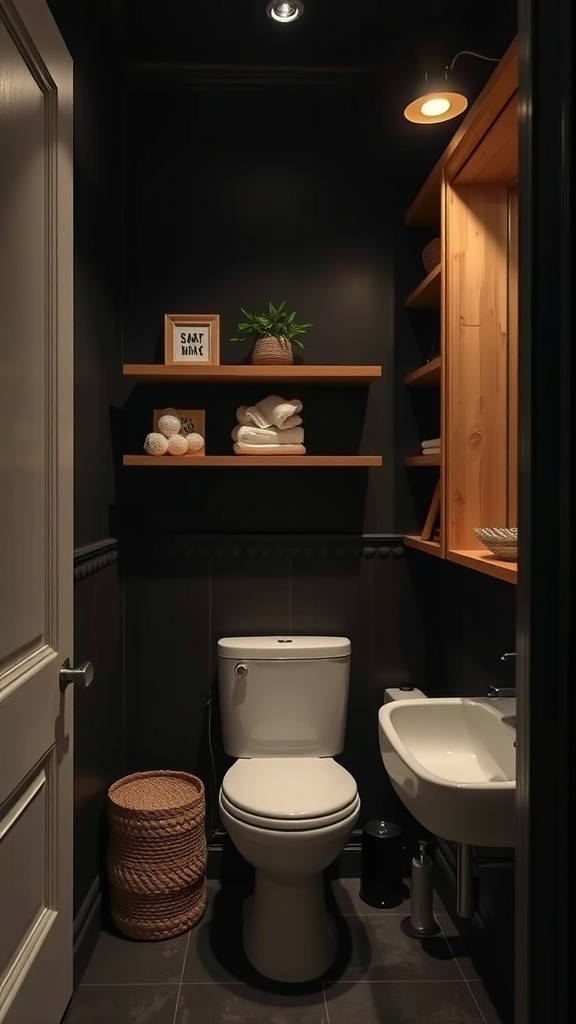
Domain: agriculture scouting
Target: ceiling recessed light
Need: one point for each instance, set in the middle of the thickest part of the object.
(284, 10)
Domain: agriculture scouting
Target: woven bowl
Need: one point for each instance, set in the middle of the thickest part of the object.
(501, 541)
(431, 255)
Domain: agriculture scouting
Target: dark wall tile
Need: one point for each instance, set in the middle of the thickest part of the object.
(167, 615)
(98, 719)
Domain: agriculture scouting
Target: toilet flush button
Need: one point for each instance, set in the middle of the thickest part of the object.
(241, 670)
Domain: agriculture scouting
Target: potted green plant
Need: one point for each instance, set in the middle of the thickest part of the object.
(274, 334)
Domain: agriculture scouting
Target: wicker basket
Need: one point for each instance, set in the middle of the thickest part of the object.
(272, 351)
(157, 853)
(431, 254)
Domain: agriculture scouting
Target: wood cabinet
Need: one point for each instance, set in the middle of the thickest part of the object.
(471, 196)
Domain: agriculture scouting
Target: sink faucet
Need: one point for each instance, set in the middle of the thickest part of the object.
(503, 691)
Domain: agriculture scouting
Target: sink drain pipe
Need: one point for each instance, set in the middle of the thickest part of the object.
(464, 880)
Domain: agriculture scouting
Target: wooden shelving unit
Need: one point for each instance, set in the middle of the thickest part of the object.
(483, 562)
(427, 375)
(427, 294)
(422, 460)
(430, 547)
(469, 199)
(254, 461)
(146, 373)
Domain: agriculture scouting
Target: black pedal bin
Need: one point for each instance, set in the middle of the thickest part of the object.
(381, 882)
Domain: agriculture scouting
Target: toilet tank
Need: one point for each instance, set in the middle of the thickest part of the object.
(283, 696)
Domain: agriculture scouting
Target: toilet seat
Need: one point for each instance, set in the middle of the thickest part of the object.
(289, 793)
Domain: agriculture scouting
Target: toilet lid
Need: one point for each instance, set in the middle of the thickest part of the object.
(289, 788)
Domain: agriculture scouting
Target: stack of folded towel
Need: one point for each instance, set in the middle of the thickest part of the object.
(431, 447)
(271, 427)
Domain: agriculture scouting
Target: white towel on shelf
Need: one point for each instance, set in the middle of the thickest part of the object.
(433, 443)
(246, 421)
(431, 451)
(269, 449)
(267, 435)
(273, 411)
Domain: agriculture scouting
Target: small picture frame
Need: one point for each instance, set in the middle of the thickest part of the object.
(191, 339)
(192, 422)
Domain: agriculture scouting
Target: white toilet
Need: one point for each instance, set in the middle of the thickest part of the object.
(287, 805)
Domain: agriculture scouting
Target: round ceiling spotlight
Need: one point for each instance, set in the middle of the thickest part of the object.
(284, 11)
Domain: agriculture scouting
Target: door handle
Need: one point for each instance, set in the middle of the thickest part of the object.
(81, 676)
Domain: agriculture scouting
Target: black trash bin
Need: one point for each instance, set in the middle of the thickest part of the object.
(381, 865)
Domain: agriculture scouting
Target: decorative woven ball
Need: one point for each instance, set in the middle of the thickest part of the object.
(155, 444)
(195, 442)
(177, 445)
(169, 422)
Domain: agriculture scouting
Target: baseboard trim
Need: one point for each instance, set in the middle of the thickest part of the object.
(86, 929)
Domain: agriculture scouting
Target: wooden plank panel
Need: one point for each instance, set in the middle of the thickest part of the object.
(425, 376)
(150, 373)
(495, 159)
(512, 517)
(482, 562)
(422, 460)
(252, 461)
(476, 362)
(427, 294)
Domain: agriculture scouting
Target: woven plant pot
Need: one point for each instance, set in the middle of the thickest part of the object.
(431, 254)
(157, 853)
(272, 351)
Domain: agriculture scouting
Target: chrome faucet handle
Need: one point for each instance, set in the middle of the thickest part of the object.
(501, 691)
(508, 655)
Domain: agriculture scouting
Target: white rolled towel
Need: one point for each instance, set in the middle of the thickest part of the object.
(432, 443)
(246, 421)
(267, 435)
(273, 411)
(269, 449)
(431, 451)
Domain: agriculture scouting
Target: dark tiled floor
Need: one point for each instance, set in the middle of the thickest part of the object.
(382, 975)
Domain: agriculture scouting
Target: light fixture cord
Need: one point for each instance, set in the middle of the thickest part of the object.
(472, 53)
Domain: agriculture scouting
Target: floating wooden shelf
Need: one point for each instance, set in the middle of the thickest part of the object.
(253, 461)
(422, 460)
(430, 547)
(426, 375)
(427, 294)
(482, 561)
(147, 373)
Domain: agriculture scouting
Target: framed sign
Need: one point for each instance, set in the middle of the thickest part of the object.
(192, 338)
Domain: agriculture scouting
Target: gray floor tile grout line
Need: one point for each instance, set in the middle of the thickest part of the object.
(477, 1003)
(181, 979)
(447, 941)
(326, 1003)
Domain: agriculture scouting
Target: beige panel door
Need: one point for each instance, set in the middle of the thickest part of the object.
(35, 515)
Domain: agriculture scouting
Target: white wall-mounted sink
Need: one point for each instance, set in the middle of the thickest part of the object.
(452, 762)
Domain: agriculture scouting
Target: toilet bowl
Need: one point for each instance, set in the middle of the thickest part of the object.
(290, 808)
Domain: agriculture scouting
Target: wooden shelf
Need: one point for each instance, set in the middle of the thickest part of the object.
(422, 460)
(253, 461)
(427, 294)
(427, 375)
(482, 561)
(147, 373)
(430, 547)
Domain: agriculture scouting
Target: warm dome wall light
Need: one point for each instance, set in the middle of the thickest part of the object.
(284, 11)
(437, 102)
